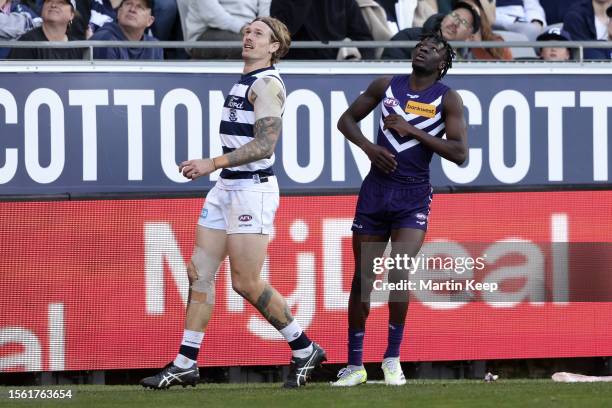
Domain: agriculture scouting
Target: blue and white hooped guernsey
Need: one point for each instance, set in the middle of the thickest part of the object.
(237, 129)
(422, 109)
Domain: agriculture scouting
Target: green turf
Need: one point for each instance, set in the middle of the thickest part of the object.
(449, 393)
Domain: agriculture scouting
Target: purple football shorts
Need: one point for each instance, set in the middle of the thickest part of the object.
(382, 208)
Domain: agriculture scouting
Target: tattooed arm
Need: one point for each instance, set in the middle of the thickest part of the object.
(267, 131)
(268, 98)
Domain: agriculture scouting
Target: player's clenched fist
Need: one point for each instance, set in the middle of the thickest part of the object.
(192, 169)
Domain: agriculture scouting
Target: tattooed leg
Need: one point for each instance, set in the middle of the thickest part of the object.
(247, 253)
(273, 307)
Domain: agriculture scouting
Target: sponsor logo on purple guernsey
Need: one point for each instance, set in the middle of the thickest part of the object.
(390, 102)
(245, 218)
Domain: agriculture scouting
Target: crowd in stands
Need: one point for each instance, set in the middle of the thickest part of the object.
(307, 20)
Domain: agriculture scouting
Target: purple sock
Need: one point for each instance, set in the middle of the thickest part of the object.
(394, 340)
(355, 346)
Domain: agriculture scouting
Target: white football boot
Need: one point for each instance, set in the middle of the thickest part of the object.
(349, 377)
(393, 371)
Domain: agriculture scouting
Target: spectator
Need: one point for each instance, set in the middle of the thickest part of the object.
(390, 7)
(57, 15)
(79, 25)
(555, 10)
(134, 17)
(167, 25)
(83, 7)
(588, 21)
(488, 6)
(403, 14)
(520, 16)
(102, 12)
(322, 20)
(424, 9)
(15, 20)
(166, 18)
(486, 34)
(555, 53)
(446, 6)
(460, 25)
(220, 20)
(376, 20)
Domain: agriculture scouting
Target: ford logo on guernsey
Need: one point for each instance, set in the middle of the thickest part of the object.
(235, 102)
(245, 218)
(390, 102)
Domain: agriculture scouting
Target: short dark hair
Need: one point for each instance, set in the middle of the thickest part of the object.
(450, 52)
(473, 12)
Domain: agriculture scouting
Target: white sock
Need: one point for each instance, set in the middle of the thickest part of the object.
(302, 353)
(292, 331)
(190, 339)
(183, 362)
(355, 368)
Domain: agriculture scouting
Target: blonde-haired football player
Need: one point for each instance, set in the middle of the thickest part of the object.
(239, 211)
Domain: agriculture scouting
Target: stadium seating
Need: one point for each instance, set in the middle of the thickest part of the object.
(517, 52)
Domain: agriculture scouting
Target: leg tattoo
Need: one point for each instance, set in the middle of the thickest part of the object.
(263, 305)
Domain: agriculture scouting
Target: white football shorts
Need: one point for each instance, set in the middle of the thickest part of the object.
(239, 211)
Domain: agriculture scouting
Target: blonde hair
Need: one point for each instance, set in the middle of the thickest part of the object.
(280, 34)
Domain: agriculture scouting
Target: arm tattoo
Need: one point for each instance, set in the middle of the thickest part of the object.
(266, 133)
(280, 95)
(262, 304)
